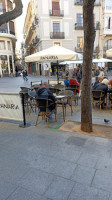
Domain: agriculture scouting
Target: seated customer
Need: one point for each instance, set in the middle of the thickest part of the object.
(74, 82)
(97, 81)
(103, 86)
(43, 91)
(66, 81)
(110, 86)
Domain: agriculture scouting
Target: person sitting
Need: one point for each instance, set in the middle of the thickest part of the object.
(110, 86)
(97, 81)
(66, 81)
(73, 82)
(97, 71)
(101, 73)
(43, 91)
(103, 86)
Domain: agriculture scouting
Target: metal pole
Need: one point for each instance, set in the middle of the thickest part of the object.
(24, 119)
(57, 72)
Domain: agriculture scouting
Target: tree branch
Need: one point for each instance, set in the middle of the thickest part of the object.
(16, 12)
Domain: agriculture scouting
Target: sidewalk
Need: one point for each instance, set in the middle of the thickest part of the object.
(41, 164)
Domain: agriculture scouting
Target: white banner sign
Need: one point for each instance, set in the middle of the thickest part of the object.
(11, 106)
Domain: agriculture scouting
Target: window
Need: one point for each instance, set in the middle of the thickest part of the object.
(8, 45)
(79, 19)
(57, 43)
(3, 28)
(2, 45)
(11, 27)
(10, 5)
(80, 43)
(55, 8)
(108, 4)
(108, 44)
(56, 27)
(1, 7)
(107, 23)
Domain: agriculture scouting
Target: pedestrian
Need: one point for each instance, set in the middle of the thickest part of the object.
(16, 69)
(67, 73)
(25, 75)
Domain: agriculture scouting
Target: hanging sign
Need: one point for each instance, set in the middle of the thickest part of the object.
(11, 106)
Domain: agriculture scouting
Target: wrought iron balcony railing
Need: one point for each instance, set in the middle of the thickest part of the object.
(78, 26)
(56, 13)
(78, 2)
(57, 35)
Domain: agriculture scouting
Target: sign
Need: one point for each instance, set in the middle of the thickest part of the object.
(3, 57)
(11, 106)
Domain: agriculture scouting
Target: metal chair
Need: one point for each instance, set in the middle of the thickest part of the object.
(68, 96)
(45, 108)
(98, 97)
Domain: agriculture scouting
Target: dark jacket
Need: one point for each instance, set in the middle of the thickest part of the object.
(102, 87)
(97, 73)
(46, 93)
(95, 85)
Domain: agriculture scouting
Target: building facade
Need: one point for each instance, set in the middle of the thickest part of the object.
(7, 41)
(60, 22)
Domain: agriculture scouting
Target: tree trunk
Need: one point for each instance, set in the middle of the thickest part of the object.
(17, 11)
(89, 36)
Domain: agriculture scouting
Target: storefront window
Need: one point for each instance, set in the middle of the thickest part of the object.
(4, 64)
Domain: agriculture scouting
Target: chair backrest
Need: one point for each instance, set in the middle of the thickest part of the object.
(36, 83)
(55, 82)
(44, 103)
(68, 93)
(97, 94)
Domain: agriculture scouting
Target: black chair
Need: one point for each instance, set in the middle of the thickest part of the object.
(66, 101)
(110, 99)
(98, 97)
(45, 108)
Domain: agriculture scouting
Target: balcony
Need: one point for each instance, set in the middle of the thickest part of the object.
(78, 27)
(56, 13)
(78, 2)
(79, 50)
(57, 35)
(12, 32)
(34, 42)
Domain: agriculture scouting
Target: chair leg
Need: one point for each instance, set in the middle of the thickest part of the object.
(71, 106)
(47, 122)
(37, 120)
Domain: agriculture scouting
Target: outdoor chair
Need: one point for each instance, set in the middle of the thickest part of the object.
(98, 97)
(66, 101)
(75, 94)
(45, 106)
(110, 99)
(25, 90)
(32, 102)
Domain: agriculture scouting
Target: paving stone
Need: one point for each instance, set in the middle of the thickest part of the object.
(23, 194)
(82, 192)
(36, 181)
(87, 159)
(104, 164)
(6, 189)
(72, 140)
(83, 174)
(59, 189)
(103, 180)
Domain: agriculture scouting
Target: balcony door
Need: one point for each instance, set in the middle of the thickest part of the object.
(56, 27)
(55, 8)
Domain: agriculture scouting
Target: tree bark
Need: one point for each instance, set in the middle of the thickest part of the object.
(89, 36)
(17, 11)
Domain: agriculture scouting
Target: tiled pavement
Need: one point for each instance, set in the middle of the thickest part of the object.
(45, 164)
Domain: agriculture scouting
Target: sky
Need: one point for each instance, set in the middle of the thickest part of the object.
(20, 23)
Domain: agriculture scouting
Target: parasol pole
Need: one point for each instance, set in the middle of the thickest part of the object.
(57, 72)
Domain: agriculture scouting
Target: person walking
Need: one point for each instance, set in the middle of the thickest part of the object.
(25, 75)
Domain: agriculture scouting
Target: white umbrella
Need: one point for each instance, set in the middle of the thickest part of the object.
(53, 54)
(71, 62)
(101, 60)
(109, 53)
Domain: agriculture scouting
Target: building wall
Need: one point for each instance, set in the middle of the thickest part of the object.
(8, 37)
